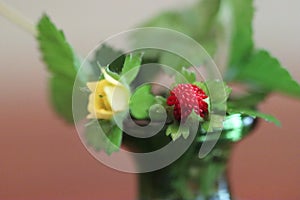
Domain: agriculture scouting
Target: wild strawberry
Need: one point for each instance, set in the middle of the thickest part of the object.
(185, 98)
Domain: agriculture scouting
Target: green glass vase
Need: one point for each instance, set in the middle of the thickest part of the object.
(192, 178)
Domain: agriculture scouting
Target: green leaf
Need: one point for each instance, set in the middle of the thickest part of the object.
(115, 137)
(254, 113)
(201, 85)
(131, 67)
(141, 101)
(87, 70)
(240, 16)
(57, 53)
(62, 64)
(104, 135)
(185, 132)
(218, 91)
(265, 72)
(186, 76)
(193, 122)
(61, 97)
(249, 100)
(115, 75)
(175, 131)
(206, 127)
(161, 100)
(157, 112)
(94, 138)
(107, 56)
(175, 62)
(172, 131)
(196, 21)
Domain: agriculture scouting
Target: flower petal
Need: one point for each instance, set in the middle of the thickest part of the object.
(100, 114)
(109, 78)
(92, 85)
(118, 97)
(91, 105)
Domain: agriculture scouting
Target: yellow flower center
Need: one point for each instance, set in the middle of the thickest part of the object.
(108, 97)
(98, 104)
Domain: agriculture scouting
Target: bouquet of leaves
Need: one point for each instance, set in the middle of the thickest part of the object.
(107, 97)
(223, 28)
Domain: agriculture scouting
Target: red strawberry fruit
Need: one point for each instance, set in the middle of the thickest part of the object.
(185, 98)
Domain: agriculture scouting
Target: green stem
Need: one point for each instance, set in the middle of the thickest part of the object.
(17, 18)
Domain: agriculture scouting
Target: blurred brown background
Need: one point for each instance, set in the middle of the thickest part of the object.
(41, 157)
